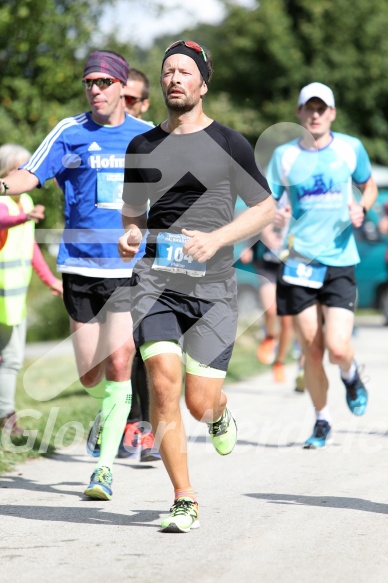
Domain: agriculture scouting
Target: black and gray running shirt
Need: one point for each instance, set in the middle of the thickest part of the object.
(192, 181)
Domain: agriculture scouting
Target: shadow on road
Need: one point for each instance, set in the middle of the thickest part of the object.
(241, 442)
(17, 483)
(322, 501)
(86, 515)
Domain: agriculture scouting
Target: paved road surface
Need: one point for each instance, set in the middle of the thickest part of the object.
(270, 512)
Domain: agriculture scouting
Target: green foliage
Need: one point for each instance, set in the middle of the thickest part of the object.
(48, 319)
(42, 48)
(42, 44)
(262, 58)
(347, 49)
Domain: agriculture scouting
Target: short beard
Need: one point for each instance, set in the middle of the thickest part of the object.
(178, 106)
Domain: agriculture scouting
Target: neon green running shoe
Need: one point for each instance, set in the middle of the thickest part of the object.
(183, 517)
(223, 433)
(100, 484)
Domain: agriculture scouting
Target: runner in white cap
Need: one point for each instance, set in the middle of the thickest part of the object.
(317, 284)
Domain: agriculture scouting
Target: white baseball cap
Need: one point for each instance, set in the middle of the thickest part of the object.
(316, 90)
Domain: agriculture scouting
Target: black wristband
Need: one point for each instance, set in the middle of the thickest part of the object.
(364, 210)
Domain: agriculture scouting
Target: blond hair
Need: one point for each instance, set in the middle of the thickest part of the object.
(11, 157)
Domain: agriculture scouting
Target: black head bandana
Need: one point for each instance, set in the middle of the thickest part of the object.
(197, 57)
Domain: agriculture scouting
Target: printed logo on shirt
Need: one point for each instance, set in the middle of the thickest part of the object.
(319, 187)
(106, 161)
(94, 147)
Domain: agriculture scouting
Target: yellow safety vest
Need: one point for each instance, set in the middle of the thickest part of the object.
(16, 263)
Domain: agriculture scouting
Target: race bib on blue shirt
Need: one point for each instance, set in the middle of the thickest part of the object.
(170, 256)
(110, 190)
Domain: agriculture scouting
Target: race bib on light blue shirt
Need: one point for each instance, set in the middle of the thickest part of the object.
(170, 256)
(298, 271)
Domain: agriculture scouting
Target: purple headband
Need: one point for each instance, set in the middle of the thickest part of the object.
(109, 63)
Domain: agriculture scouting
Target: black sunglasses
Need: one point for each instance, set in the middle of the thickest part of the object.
(101, 82)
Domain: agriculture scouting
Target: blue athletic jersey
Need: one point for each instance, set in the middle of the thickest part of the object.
(319, 187)
(88, 161)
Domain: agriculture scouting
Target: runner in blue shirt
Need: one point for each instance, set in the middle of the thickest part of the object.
(317, 283)
(86, 155)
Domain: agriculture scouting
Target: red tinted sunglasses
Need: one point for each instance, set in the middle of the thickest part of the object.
(131, 99)
(190, 45)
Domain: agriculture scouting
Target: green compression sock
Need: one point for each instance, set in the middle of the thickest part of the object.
(98, 391)
(115, 408)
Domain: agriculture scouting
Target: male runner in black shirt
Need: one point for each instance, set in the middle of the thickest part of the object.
(189, 170)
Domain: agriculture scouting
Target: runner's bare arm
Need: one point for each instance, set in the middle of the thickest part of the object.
(368, 198)
(202, 246)
(369, 193)
(18, 182)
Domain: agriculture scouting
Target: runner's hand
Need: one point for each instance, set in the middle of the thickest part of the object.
(57, 288)
(129, 243)
(356, 213)
(272, 239)
(201, 246)
(36, 214)
(282, 217)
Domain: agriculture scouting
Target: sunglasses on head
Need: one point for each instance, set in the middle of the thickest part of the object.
(101, 82)
(131, 99)
(190, 45)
